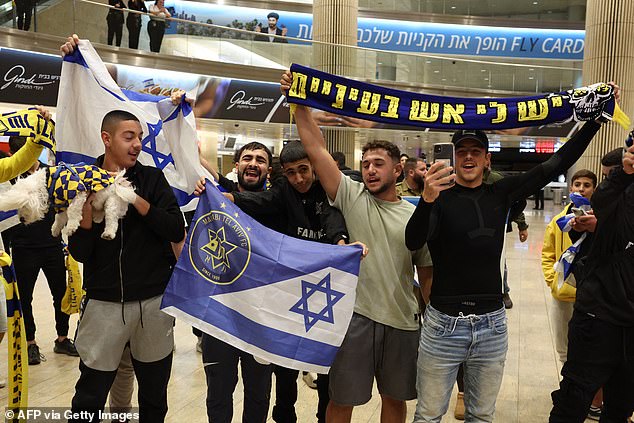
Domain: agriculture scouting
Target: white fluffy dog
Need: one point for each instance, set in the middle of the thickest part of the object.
(66, 188)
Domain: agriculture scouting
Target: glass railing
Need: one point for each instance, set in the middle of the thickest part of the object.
(241, 45)
(539, 10)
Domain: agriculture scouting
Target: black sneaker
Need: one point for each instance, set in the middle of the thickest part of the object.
(34, 354)
(508, 303)
(594, 413)
(65, 347)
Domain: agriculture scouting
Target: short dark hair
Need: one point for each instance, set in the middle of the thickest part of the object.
(585, 173)
(15, 143)
(403, 155)
(613, 158)
(273, 15)
(292, 152)
(340, 158)
(411, 163)
(114, 117)
(391, 149)
(277, 173)
(251, 147)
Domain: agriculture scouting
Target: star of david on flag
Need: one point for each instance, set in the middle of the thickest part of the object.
(284, 300)
(87, 93)
(326, 313)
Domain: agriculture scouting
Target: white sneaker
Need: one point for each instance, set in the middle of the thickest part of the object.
(3, 383)
(309, 379)
(199, 344)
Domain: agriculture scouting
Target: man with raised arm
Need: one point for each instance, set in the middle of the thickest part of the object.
(463, 221)
(383, 333)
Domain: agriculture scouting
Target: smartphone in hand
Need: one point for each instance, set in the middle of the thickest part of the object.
(444, 152)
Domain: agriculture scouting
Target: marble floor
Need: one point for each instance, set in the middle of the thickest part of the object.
(531, 371)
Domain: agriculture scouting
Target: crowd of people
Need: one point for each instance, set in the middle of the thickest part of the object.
(411, 341)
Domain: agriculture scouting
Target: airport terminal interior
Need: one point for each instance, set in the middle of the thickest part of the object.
(226, 55)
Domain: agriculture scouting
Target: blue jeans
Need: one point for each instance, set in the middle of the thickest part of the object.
(478, 341)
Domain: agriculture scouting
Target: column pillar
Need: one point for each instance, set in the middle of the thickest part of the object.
(335, 21)
(609, 56)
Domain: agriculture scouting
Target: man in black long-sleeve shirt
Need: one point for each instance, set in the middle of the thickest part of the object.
(601, 331)
(464, 227)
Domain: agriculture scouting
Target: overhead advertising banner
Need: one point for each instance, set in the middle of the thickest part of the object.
(33, 78)
(216, 98)
(392, 35)
(29, 77)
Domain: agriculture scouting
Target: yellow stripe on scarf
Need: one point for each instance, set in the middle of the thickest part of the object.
(74, 291)
(31, 124)
(17, 362)
(620, 117)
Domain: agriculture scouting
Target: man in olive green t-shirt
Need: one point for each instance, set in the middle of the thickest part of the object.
(382, 339)
(412, 185)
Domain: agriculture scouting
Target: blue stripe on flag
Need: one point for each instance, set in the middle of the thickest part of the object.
(77, 58)
(7, 214)
(272, 340)
(182, 197)
(148, 98)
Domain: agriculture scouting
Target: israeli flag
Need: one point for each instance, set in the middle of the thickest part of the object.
(284, 300)
(87, 93)
(578, 201)
(563, 266)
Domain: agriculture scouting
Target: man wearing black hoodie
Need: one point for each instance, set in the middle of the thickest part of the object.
(601, 331)
(124, 279)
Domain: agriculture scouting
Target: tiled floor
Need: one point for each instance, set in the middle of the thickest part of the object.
(531, 371)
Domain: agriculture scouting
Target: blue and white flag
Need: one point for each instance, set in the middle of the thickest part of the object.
(284, 300)
(87, 93)
(563, 266)
(578, 201)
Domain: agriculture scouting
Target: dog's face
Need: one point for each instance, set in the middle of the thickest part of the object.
(123, 144)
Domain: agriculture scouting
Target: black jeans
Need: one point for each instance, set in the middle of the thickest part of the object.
(93, 386)
(539, 199)
(285, 394)
(115, 30)
(27, 263)
(599, 355)
(134, 30)
(221, 368)
(156, 30)
(323, 380)
(24, 8)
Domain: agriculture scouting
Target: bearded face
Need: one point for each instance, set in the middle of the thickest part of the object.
(253, 168)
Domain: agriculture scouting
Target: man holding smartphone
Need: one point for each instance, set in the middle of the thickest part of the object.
(463, 220)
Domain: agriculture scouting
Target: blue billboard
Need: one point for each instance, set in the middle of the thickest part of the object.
(392, 35)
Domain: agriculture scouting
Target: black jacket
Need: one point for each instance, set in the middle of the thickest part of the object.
(607, 290)
(137, 264)
(36, 235)
(306, 216)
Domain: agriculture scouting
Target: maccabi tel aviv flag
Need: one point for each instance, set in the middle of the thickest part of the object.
(348, 97)
(87, 93)
(284, 300)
